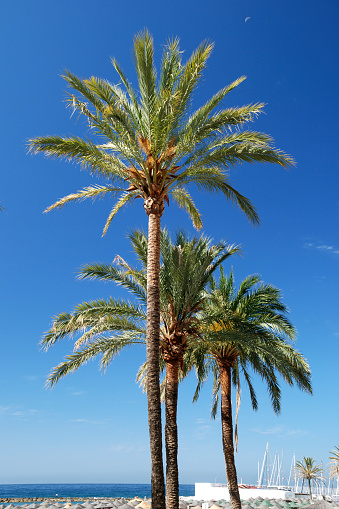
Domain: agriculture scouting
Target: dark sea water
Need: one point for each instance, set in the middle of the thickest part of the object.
(83, 490)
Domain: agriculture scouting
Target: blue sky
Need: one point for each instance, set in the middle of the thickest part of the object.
(93, 428)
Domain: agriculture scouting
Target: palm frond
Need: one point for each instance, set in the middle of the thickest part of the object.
(126, 197)
(190, 76)
(139, 242)
(144, 64)
(85, 152)
(88, 192)
(80, 86)
(107, 347)
(184, 200)
(133, 108)
(106, 272)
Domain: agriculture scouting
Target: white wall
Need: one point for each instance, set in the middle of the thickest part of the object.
(211, 491)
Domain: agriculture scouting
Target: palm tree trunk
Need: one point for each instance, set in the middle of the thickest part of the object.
(227, 434)
(152, 348)
(171, 435)
(309, 487)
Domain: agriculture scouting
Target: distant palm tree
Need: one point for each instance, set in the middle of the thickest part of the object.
(334, 464)
(108, 326)
(244, 330)
(151, 147)
(308, 470)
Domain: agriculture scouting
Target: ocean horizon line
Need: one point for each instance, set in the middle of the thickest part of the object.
(85, 490)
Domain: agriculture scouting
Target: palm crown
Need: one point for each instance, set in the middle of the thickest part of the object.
(307, 469)
(248, 328)
(151, 147)
(104, 327)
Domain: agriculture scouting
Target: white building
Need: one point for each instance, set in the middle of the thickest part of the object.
(213, 491)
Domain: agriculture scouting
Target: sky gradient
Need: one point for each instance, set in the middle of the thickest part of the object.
(93, 427)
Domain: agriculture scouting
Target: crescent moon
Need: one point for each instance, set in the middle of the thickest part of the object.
(246, 19)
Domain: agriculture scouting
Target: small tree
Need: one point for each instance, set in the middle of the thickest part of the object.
(308, 470)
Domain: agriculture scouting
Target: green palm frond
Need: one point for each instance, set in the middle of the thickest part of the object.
(184, 201)
(190, 76)
(89, 155)
(80, 86)
(211, 179)
(253, 396)
(140, 245)
(171, 66)
(107, 347)
(93, 192)
(201, 119)
(141, 378)
(92, 318)
(144, 63)
(133, 107)
(215, 394)
(200, 127)
(107, 272)
(126, 197)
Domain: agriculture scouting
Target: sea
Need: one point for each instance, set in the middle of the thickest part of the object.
(84, 490)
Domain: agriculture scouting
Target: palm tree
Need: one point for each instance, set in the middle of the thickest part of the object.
(154, 149)
(307, 469)
(186, 269)
(107, 326)
(241, 331)
(333, 466)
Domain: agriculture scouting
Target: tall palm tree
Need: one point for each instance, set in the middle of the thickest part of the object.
(307, 469)
(187, 266)
(105, 327)
(333, 465)
(245, 331)
(150, 147)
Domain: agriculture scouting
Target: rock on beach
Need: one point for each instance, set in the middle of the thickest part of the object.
(138, 503)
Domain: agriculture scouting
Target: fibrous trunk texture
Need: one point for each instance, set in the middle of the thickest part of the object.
(152, 348)
(227, 435)
(309, 487)
(171, 435)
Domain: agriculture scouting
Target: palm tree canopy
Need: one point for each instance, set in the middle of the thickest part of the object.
(248, 330)
(104, 327)
(149, 145)
(307, 469)
(334, 463)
